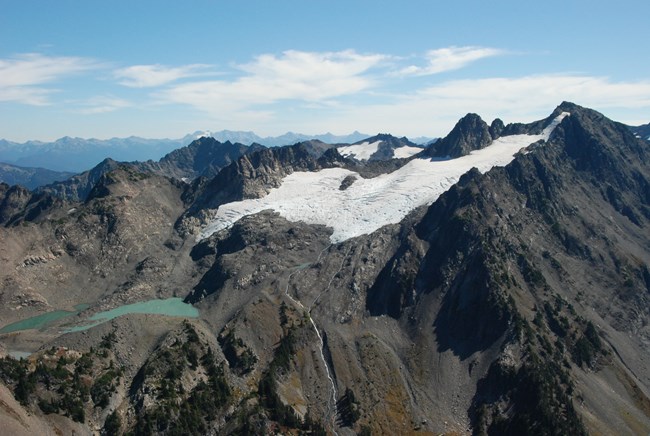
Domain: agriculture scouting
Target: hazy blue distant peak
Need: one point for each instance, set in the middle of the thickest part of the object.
(248, 137)
(423, 140)
(72, 154)
(77, 154)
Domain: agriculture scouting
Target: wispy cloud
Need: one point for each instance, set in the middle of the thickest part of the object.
(449, 59)
(529, 93)
(147, 76)
(103, 104)
(294, 75)
(22, 78)
(434, 110)
(317, 91)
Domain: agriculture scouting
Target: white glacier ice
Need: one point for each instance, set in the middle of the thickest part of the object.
(406, 152)
(361, 151)
(368, 204)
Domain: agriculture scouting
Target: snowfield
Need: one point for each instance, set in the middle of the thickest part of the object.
(361, 151)
(406, 152)
(368, 204)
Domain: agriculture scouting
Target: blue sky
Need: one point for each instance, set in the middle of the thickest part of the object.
(167, 68)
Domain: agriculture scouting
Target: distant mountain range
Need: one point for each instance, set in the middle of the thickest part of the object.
(289, 138)
(78, 154)
(30, 178)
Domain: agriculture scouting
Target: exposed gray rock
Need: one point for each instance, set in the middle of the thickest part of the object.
(470, 133)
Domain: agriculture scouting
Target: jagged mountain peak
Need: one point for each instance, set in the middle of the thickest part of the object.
(496, 127)
(469, 133)
(203, 152)
(606, 147)
(315, 147)
(386, 137)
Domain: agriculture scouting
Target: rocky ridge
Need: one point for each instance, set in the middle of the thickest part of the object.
(204, 157)
(387, 147)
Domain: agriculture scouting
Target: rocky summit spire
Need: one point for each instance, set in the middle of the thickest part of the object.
(470, 133)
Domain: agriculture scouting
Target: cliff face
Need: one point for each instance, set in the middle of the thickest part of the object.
(517, 303)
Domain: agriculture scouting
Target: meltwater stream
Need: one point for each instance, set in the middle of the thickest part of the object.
(331, 402)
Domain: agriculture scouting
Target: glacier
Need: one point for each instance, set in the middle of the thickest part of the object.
(369, 204)
(361, 151)
(406, 152)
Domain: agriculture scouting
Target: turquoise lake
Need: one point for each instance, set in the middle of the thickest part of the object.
(42, 320)
(169, 307)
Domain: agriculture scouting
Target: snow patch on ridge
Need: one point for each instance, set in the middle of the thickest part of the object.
(368, 204)
(361, 151)
(406, 152)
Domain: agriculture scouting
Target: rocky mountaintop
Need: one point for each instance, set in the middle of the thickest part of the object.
(77, 187)
(470, 133)
(513, 301)
(204, 157)
(380, 147)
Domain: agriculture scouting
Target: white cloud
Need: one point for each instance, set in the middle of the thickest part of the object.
(22, 77)
(255, 101)
(530, 94)
(450, 58)
(433, 111)
(146, 76)
(322, 91)
(295, 75)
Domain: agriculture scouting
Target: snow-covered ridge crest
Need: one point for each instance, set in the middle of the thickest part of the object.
(361, 151)
(406, 152)
(368, 204)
